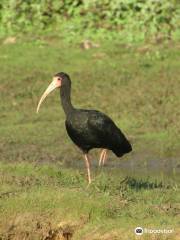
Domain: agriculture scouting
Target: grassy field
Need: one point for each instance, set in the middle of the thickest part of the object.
(35, 199)
(43, 187)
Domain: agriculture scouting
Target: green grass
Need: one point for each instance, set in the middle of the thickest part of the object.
(110, 204)
(138, 86)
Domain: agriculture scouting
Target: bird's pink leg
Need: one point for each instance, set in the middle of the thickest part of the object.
(88, 167)
(102, 156)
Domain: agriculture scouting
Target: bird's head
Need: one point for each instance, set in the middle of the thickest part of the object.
(59, 80)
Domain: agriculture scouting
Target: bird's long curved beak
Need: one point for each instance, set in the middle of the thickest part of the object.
(53, 85)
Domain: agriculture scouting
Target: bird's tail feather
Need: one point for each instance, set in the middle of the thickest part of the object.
(123, 149)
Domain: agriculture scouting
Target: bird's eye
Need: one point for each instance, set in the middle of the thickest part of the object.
(59, 79)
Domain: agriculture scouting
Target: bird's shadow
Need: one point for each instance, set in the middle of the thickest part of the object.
(139, 184)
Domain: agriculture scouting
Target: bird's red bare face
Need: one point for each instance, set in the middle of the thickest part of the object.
(56, 83)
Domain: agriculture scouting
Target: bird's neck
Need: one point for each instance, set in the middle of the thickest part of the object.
(65, 95)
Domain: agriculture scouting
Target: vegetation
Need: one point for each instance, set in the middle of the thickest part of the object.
(32, 196)
(126, 81)
(122, 56)
(134, 20)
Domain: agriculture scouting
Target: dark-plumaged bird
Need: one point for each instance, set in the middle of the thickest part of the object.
(88, 129)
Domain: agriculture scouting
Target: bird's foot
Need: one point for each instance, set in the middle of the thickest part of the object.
(88, 185)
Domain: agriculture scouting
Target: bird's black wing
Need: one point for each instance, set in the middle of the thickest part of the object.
(101, 125)
(108, 133)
